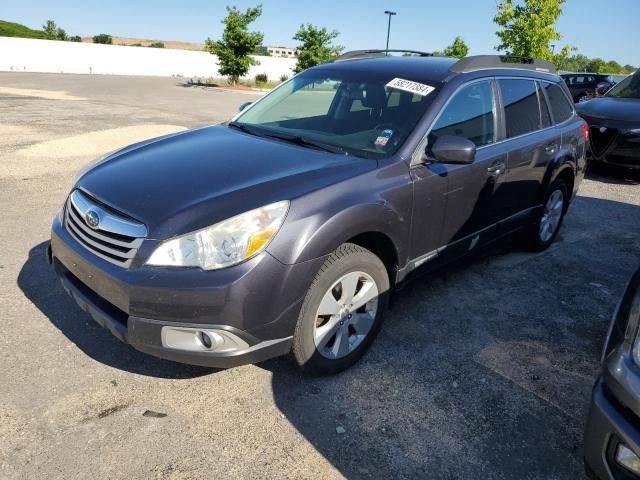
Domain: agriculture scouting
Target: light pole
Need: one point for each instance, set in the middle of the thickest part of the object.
(391, 14)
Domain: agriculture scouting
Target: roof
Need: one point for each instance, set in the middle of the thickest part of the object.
(427, 68)
(439, 69)
(564, 74)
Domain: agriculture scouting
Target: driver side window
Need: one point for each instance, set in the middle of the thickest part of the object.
(469, 114)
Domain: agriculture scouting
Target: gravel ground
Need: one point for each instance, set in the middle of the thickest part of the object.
(482, 371)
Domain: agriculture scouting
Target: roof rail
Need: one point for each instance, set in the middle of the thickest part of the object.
(358, 54)
(479, 62)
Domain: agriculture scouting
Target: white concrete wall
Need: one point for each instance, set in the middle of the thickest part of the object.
(31, 55)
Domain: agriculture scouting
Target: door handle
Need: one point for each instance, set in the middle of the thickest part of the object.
(496, 169)
(551, 149)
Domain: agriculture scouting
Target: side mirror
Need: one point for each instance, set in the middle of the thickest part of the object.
(452, 149)
(244, 106)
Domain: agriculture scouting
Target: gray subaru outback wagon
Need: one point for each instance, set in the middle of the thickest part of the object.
(286, 229)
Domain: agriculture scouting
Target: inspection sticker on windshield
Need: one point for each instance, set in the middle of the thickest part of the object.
(409, 86)
(383, 138)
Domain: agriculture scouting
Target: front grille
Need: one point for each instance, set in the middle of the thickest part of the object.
(114, 237)
(602, 141)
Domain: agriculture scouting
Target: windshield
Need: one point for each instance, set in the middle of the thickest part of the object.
(363, 114)
(627, 88)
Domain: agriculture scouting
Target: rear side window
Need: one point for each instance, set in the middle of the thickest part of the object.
(544, 110)
(521, 108)
(469, 114)
(560, 106)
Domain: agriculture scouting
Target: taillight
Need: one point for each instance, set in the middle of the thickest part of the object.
(585, 130)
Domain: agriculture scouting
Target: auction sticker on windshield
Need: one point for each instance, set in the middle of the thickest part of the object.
(409, 86)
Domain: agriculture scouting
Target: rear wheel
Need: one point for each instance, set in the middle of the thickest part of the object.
(342, 311)
(544, 230)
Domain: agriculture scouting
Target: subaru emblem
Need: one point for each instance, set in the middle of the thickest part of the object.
(603, 129)
(92, 219)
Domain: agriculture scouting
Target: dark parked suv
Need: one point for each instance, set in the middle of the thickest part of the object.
(586, 85)
(286, 229)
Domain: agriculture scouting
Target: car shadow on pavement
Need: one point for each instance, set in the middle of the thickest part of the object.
(39, 283)
(480, 371)
(600, 172)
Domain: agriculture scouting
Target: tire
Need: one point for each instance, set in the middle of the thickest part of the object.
(551, 216)
(331, 335)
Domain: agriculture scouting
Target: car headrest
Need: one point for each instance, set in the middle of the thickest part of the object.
(374, 96)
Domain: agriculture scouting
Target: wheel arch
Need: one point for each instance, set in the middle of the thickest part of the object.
(563, 167)
(381, 246)
(568, 175)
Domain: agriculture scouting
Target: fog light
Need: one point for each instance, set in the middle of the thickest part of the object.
(201, 340)
(628, 459)
(204, 338)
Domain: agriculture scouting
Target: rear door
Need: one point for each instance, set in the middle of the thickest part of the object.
(566, 123)
(532, 144)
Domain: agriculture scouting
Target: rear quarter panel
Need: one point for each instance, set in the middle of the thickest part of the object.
(572, 154)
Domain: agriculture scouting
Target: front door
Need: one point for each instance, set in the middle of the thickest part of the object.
(465, 193)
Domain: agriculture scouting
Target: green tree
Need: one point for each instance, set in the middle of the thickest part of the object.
(316, 47)
(50, 30)
(575, 63)
(53, 32)
(458, 49)
(596, 65)
(103, 38)
(527, 27)
(156, 45)
(61, 34)
(75, 38)
(237, 43)
(561, 60)
(612, 67)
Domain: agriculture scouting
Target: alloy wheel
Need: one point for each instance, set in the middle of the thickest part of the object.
(552, 215)
(346, 315)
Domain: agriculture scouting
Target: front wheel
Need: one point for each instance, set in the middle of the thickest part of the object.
(342, 311)
(544, 230)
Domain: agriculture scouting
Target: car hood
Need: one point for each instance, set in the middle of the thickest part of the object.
(186, 181)
(618, 109)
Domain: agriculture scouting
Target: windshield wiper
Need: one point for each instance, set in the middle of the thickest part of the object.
(245, 129)
(295, 139)
(298, 140)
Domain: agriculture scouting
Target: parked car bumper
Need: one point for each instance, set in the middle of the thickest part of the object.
(608, 426)
(613, 420)
(615, 146)
(248, 311)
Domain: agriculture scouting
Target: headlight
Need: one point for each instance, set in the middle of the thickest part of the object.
(633, 131)
(224, 244)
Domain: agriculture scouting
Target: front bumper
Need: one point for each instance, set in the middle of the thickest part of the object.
(614, 146)
(257, 301)
(609, 424)
(614, 416)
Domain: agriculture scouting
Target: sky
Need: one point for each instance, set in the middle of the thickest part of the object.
(598, 28)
